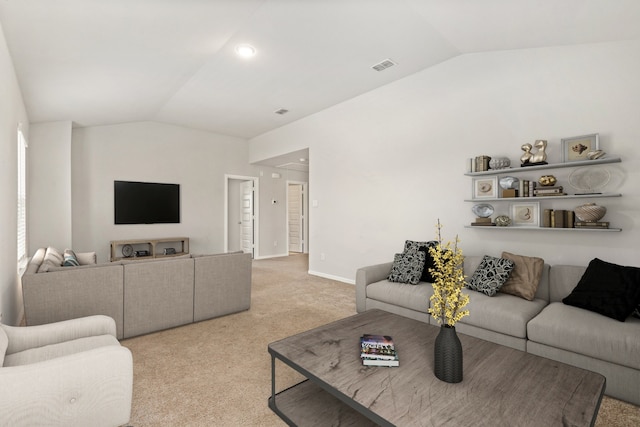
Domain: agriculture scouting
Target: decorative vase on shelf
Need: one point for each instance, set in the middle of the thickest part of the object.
(590, 212)
(547, 180)
(448, 355)
(499, 163)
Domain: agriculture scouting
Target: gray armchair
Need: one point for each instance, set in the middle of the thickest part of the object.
(70, 373)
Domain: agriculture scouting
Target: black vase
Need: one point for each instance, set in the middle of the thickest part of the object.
(448, 355)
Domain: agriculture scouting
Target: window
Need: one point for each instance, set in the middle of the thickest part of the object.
(22, 196)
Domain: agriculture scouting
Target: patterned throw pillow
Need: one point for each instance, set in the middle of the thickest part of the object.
(490, 275)
(411, 245)
(70, 259)
(407, 267)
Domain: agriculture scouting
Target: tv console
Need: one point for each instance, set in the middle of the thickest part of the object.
(150, 248)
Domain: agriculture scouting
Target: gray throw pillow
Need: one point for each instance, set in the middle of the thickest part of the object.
(86, 258)
(407, 267)
(490, 275)
(52, 258)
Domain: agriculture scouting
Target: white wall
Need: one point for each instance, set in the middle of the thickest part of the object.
(386, 165)
(50, 187)
(12, 112)
(154, 152)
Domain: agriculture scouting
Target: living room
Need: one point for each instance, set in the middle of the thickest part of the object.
(391, 159)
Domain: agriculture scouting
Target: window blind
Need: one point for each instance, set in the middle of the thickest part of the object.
(22, 196)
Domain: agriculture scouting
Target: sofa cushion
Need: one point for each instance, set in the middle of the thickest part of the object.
(617, 342)
(525, 276)
(47, 352)
(414, 297)
(407, 267)
(411, 245)
(608, 289)
(502, 313)
(52, 258)
(490, 275)
(70, 259)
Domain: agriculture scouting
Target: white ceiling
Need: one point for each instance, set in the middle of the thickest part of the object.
(100, 62)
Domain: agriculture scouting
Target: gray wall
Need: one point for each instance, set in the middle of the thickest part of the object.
(49, 192)
(148, 151)
(386, 165)
(12, 112)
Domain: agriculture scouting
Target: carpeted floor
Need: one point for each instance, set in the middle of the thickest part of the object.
(218, 372)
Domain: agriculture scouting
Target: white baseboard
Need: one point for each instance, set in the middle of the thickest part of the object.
(272, 256)
(329, 276)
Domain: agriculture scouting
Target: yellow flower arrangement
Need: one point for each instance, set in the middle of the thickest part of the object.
(447, 301)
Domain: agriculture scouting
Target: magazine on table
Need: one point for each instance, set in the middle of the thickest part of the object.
(378, 350)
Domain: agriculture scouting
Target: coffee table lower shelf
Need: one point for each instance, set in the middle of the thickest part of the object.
(307, 404)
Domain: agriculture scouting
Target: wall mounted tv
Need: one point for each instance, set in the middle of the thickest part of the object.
(146, 203)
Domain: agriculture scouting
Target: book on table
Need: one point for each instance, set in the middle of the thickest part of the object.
(378, 350)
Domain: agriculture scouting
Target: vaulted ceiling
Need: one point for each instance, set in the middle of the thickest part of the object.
(100, 62)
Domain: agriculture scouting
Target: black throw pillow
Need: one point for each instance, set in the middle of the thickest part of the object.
(608, 289)
(411, 245)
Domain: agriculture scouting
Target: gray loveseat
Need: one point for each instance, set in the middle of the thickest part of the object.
(544, 326)
(142, 296)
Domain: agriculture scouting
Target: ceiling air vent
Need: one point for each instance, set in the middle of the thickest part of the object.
(381, 66)
(281, 111)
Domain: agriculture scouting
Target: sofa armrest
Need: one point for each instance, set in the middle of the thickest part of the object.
(222, 285)
(367, 275)
(91, 388)
(25, 337)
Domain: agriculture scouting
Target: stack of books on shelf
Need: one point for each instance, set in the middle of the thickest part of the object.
(378, 350)
(528, 188)
(482, 222)
(556, 190)
(558, 218)
(588, 224)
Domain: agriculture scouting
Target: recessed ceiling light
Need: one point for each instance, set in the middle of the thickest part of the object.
(245, 50)
(302, 159)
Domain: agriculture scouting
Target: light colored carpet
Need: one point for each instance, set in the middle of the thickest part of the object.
(218, 372)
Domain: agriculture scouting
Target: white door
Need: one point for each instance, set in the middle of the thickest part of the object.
(296, 217)
(247, 221)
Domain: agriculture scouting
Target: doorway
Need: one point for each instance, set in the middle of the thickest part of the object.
(296, 217)
(241, 214)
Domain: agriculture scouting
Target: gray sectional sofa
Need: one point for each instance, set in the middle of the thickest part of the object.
(142, 296)
(544, 326)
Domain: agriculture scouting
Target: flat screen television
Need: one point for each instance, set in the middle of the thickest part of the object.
(146, 203)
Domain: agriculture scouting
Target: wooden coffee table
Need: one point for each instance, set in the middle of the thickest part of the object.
(501, 386)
